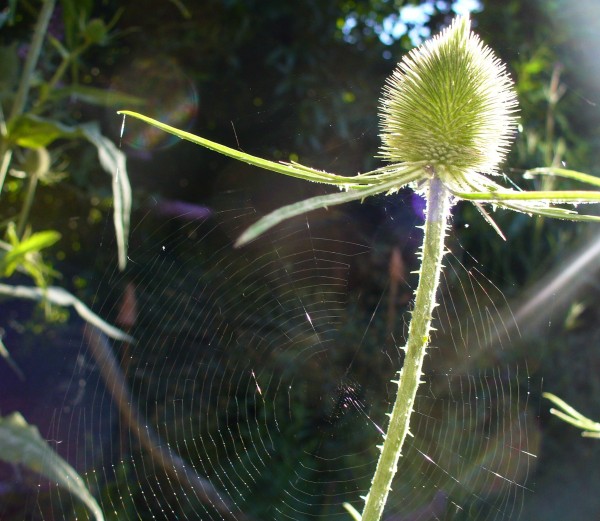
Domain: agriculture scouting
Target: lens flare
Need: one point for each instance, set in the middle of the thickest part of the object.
(168, 93)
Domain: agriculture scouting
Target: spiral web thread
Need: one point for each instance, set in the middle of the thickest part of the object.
(267, 370)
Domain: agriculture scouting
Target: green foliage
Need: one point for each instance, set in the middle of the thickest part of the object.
(557, 128)
(21, 443)
(31, 131)
(295, 82)
(35, 106)
(565, 412)
(37, 122)
(439, 133)
(26, 254)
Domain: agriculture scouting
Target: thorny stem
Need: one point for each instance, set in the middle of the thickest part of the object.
(438, 211)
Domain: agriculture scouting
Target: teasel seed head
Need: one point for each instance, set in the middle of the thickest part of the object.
(451, 105)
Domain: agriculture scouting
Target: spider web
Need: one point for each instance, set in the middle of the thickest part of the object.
(261, 378)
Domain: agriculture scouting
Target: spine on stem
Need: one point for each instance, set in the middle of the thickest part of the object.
(436, 218)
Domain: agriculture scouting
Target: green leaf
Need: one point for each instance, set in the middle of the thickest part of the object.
(17, 255)
(570, 415)
(61, 297)
(10, 361)
(95, 96)
(21, 443)
(567, 174)
(290, 169)
(321, 201)
(554, 213)
(554, 196)
(114, 162)
(355, 514)
(75, 12)
(33, 132)
(24, 255)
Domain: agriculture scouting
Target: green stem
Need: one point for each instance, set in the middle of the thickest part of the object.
(57, 76)
(438, 211)
(32, 58)
(25, 83)
(550, 156)
(5, 158)
(27, 204)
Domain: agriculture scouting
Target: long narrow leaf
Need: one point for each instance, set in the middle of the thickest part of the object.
(559, 402)
(114, 162)
(289, 169)
(567, 174)
(61, 297)
(570, 415)
(4, 353)
(96, 96)
(354, 514)
(555, 213)
(580, 424)
(21, 443)
(314, 203)
(557, 196)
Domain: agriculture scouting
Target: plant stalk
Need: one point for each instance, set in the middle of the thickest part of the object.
(57, 76)
(27, 204)
(438, 211)
(18, 105)
(32, 58)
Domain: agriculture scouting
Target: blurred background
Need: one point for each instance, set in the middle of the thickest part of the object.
(267, 370)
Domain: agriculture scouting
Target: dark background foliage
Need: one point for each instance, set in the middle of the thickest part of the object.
(295, 80)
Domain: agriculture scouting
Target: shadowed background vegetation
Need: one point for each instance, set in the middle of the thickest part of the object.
(300, 80)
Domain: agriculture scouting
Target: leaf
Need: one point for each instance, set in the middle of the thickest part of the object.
(570, 415)
(314, 203)
(61, 297)
(534, 202)
(354, 514)
(114, 162)
(290, 169)
(95, 96)
(555, 196)
(34, 132)
(10, 361)
(16, 256)
(21, 443)
(566, 174)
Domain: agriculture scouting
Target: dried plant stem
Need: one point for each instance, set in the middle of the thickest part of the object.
(162, 454)
(438, 210)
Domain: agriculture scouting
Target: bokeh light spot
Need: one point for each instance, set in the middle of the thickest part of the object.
(169, 96)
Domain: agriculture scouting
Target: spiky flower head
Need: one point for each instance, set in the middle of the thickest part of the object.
(448, 113)
(450, 105)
